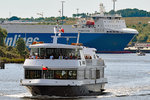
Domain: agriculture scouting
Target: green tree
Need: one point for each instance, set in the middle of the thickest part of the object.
(133, 13)
(14, 18)
(21, 47)
(3, 34)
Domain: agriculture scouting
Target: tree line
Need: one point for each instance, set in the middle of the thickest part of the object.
(131, 12)
(8, 53)
(124, 12)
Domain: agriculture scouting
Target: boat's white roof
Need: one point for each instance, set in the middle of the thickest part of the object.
(52, 45)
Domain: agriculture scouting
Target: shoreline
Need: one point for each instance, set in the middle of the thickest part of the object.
(4, 60)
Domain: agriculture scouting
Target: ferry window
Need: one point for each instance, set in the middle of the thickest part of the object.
(97, 74)
(48, 74)
(49, 52)
(102, 75)
(56, 53)
(42, 52)
(34, 51)
(64, 74)
(59, 74)
(72, 75)
(33, 74)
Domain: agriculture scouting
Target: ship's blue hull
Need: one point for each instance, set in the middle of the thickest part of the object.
(103, 42)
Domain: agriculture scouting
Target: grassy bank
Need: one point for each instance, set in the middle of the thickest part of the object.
(13, 60)
(136, 20)
(10, 55)
(142, 25)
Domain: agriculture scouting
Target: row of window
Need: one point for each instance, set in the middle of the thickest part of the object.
(60, 74)
(114, 21)
(50, 74)
(113, 32)
(55, 53)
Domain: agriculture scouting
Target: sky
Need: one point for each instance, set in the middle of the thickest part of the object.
(30, 8)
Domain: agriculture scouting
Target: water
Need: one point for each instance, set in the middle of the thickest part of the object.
(128, 79)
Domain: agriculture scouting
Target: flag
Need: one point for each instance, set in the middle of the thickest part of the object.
(44, 68)
(61, 30)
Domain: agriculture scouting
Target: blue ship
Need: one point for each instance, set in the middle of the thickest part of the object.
(107, 33)
(104, 43)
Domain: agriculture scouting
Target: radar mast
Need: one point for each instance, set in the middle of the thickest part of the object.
(102, 9)
(114, 4)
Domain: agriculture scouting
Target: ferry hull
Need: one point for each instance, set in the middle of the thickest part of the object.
(103, 42)
(66, 90)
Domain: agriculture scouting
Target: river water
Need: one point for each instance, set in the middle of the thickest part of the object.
(128, 79)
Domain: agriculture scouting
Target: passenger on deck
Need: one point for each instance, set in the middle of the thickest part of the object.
(51, 57)
(86, 57)
(36, 56)
(33, 56)
(66, 57)
(78, 57)
(44, 56)
(60, 57)
(71, 56)
(30, 57)
(90, 57)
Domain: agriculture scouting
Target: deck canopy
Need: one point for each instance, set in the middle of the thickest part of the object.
(51, 45)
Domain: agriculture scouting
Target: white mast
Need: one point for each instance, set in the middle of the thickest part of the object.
(102, 9)
(62, 10)
(114, 5)
(78, 37)
(55, 37)
(41, 14)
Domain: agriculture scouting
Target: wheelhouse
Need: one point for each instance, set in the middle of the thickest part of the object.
(50, 51)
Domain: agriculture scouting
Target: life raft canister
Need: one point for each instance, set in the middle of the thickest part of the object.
(89, 22)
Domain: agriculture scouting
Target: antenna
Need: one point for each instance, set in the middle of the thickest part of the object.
(102, 8)
(59, 12)
(9, 14)
(62, 9)
(77, 12)
(41, 14)
(114, 1)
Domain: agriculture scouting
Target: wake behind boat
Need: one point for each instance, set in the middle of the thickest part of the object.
(63, 70)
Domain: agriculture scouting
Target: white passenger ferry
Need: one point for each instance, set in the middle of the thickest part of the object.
(63, 70)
